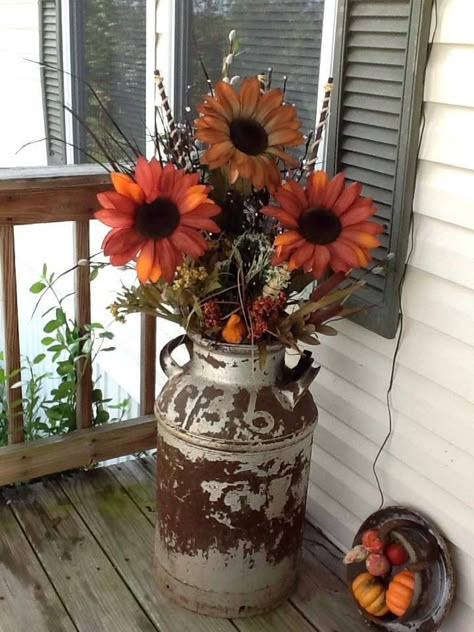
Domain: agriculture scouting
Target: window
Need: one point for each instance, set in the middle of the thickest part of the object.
(98, 43)
(374, 128)
(284, 35)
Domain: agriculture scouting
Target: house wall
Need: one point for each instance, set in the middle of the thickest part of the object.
(21, 106)
(429, 462)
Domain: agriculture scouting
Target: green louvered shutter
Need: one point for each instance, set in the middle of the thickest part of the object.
(373, 133)
(52, 80)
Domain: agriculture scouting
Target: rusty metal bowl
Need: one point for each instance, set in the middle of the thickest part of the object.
(430, 561)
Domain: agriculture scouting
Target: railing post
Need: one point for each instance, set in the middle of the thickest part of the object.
(16, 432)
(83, 317)
(147, 364)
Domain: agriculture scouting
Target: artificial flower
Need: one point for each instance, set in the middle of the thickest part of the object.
(156, 215)
(246, 132)
(327, 225)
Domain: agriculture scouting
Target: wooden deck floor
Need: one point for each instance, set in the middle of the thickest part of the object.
(76, 553)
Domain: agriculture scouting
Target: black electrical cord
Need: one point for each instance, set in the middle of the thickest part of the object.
(402, 277)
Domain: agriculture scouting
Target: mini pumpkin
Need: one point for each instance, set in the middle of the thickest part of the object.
(234, 330)
(400, 592)
(370, 594)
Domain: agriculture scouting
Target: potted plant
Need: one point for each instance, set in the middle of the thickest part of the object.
(231, 235)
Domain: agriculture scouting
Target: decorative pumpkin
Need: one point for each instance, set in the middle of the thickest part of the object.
(370, 594)
(234, 330)
(400, 592)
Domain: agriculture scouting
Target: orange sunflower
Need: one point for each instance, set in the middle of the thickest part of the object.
(246, 132)
(157, 216)
(327, 225)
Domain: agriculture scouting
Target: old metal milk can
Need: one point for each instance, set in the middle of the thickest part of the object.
(234, 449)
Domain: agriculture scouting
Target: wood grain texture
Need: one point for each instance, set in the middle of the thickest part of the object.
(82, 304)
(127, 537)
(23, 581)
(137, 478)
(11, 331)
(94, 594)
(55, 204)
(76, 449)
(147, 364)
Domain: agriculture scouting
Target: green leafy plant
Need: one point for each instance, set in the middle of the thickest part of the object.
(70, 351)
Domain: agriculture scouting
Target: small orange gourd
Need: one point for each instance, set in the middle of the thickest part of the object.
(370, 594)
(234, 330)
(400, 592)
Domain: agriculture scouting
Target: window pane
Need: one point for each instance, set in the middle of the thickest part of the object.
(283, 35)
(109, 49)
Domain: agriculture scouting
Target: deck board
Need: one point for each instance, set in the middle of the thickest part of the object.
(22, 580)
(84, 544)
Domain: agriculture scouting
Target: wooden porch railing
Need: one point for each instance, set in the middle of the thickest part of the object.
(68, 194)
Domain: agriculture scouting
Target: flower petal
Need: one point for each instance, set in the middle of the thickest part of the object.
(112, 199)
(285, 218)
(218, 154)
(333, 190)
(126, 255)
(269, 101)
(317, 184)
(119, 240)
(287, 238)
(360, 238)
(349, 195)
(145, 261)
(301, 255)
(373, 228)
(321, 258)
(125, 185)
(194, 221)
(186, 243)
(249, 95)
(227, 96)
(285, 136)
(115, 218)
(289, 202)
(169, 259)
(345, 253)
(144, 175)
(358, 213)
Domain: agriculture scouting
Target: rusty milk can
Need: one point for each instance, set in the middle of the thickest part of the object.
(234, 449)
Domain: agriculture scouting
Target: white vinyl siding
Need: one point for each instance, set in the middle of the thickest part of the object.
(429, 461)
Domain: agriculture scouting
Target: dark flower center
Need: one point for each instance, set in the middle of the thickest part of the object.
(248, 136)
(157, 219)
(320, 226)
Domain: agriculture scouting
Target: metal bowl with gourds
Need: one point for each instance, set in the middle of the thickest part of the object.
(413, 595)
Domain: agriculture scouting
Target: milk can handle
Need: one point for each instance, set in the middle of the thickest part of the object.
(168, 364)
(298, 379)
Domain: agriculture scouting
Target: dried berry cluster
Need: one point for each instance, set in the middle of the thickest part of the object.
(264, 310)
(212, 314)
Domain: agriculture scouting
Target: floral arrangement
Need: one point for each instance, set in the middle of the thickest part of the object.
(227, 226)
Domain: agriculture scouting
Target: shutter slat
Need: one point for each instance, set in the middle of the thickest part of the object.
(367, 132)
(375, 9)
(52, 80)
(374, 119)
